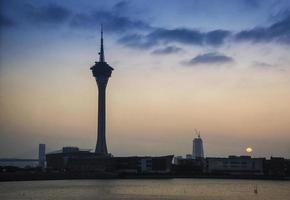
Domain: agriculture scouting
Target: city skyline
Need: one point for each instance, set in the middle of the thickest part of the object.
(223, 69)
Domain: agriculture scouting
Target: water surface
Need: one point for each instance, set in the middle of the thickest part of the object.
(193, 189)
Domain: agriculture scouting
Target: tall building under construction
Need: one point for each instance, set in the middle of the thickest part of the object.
(197, 148)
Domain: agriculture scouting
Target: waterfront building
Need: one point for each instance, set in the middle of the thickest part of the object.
(73, 159)
(276, 167)
(143, 164)
(26, 163)
(287, 167)
(19, 163)
(235, 165)
(188, 167)
(177, 159)
(60, 160)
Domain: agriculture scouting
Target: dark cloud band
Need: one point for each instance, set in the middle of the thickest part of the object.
(210, 58)
(166, 50)
(6, 22)
(115, 21)
(50, 14)
(278, 32)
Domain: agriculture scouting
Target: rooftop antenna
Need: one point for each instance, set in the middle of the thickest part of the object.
(101, 53)
(196, 132)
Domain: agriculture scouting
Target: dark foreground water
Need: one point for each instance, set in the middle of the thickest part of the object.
(193, 189)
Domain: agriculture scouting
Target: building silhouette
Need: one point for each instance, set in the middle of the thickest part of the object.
(197, 148)
(41, 155)
(102, 72)
(235, 165)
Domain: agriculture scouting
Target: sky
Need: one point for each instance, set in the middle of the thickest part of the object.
(219, 66)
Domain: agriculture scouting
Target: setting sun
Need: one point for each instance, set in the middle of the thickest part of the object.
(249, 150)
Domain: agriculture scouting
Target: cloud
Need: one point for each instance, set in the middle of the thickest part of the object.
(217, 37)
(111, 21)
(210, 58)
(6, 22)
(188, 36)
(121, 6)
(116, 19)
(49, 14)
(264, 66)
(136, 41)
(167, 50)
(183, 35)
(279, 31)
(179, 35)
(280, 15)
(254, 4)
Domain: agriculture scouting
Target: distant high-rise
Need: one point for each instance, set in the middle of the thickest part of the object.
(197, 148)
(102, 72)
(41, 155)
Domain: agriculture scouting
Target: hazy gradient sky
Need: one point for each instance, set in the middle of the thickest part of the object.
(219, 66)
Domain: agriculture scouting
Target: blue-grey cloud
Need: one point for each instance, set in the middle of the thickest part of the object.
(121, 6)
(116, 20)
(167, 50)
(280, 15)
(262, 65)
(111, 21)
(216, 37)
(136, 41)
(188, 36)
(179, 35)
(183, 35)
(279, 31)
(210, 58)
(6, 21)
(49, 14)
(254, 4)
(267, 66)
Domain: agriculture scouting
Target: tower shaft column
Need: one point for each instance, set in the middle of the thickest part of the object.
(101, 147)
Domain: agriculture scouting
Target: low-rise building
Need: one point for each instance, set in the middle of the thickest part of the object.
(275, 167)
(189, 167)
(143, 164)
(235, 165)
(177, 159)
(19, 163)
(73, 159)
(66, 158)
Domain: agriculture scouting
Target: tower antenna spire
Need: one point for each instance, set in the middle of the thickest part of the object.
(102, 55)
